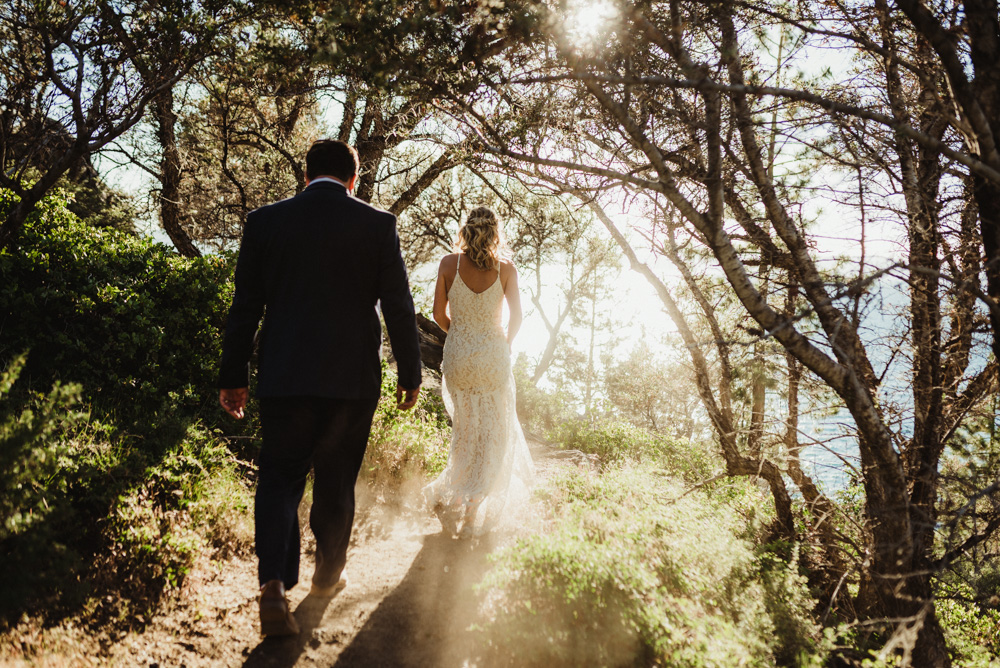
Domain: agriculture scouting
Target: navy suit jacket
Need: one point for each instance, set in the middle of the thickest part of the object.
(314, 267)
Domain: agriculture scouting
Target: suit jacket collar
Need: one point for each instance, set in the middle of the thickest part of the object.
(326, 185)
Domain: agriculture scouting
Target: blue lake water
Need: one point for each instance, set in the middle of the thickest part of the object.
(885, 333)
(833, 458)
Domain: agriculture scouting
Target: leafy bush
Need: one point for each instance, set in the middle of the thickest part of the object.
(616, 442)
(538, 410)
(34, 509)
(129, 516)
(30, 451)
(195, 500)
(972, 631)
(133, 323)
(127, 499)
(628, 573)
(404, 443)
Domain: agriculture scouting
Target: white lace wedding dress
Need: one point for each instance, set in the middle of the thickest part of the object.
(488, 463)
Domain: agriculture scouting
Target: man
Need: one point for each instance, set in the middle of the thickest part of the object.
(314, 266)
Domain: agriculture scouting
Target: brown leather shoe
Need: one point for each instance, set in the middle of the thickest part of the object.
(275, 617)
(327, 592)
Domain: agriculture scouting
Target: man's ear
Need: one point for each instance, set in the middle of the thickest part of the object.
(352, 182)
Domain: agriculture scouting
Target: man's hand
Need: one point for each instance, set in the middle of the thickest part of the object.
(411, 398)
(233, 400)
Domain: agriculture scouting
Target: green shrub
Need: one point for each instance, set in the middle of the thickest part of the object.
(31, 451)
(136, 325)
(36, 532)
(404, 443)
(194, 500)
(971, 630)
(538, 410)
(616, 442)
(127, 499)
(130, 515)
(627, 574)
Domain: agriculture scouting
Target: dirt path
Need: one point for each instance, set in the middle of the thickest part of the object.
(409, 602)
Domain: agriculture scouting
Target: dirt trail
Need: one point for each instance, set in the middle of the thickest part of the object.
(409, 602)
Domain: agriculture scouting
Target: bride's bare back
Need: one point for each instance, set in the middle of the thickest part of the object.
(478, 281)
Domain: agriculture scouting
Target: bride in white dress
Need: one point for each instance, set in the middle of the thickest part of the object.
(488, 462)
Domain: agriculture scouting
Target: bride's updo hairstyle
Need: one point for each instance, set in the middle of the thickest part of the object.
(480, 239)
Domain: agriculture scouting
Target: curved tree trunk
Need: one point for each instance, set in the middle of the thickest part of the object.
(170, 175)
(10, 230)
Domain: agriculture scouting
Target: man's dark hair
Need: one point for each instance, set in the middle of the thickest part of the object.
(331, 157)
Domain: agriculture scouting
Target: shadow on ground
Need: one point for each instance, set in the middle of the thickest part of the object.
(423, 622)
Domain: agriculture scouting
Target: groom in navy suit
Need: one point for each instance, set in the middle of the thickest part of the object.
(314, 266)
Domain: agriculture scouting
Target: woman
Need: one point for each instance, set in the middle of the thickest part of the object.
(489, 459)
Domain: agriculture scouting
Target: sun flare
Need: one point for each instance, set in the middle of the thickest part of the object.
(587, 21)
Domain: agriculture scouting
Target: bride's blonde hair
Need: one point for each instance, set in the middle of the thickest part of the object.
(480, 239)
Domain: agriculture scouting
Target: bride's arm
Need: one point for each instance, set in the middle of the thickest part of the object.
(513, 296)
(441, 298)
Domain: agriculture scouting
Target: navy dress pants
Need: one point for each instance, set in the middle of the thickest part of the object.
(299, 433)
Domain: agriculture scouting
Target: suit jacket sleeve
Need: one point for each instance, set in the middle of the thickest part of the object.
(245, 312)
(398, 311)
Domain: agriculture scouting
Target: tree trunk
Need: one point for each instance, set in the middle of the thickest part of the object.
(371, 146)
(443, 163)
(170, 175)
(920, 171)
(549, 354)
(827, 574)
(984, 33)
(14, 221)
(350, 113)
(589, 394)
(758, 381)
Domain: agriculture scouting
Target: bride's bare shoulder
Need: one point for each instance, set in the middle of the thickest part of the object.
(449, 264)
(507, 268)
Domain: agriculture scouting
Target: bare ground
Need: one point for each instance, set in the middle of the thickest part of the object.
(410, 601)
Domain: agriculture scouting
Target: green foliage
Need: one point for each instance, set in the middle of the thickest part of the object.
(96, 204)
(34, 492)
(125, 501)
(404, 443)
(31, 452)
(133, 323)
(967, 602)
(971, 629)
(653, 393)
(616, 442)
(628, 572)
(539, 410)
(193, 498)
(128, 515)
